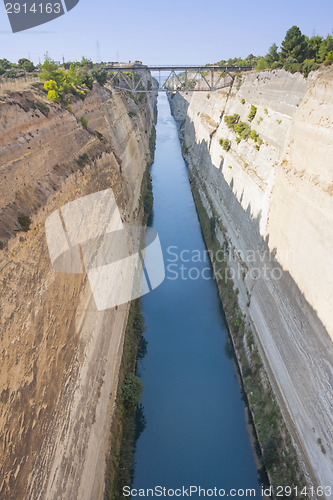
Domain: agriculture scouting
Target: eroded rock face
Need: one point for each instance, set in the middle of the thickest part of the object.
(276, 205)
(59, 356)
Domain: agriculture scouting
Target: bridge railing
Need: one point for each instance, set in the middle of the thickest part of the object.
(191, 78)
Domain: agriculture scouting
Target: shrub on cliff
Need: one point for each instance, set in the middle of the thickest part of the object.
(100, 76)
(25, 222)
(329, 59)
(309, 65)
(231, 120)
(225, 143)
(84, 121)
(256, 137)
(131, 392)
(52, 90)
(243, 129)
(252, 113)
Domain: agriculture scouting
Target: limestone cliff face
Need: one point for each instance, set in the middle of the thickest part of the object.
(276, 205)
(59, 356)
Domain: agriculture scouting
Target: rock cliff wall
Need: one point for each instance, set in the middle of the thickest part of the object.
(276, 206)
(59, 356)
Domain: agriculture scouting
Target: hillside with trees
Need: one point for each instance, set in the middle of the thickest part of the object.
(297, 53)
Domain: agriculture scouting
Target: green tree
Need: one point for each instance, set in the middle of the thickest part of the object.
(262, 64)
(329, 59)
(25, 64)
(313, 47)
(309, 65)
(326, 46)
(100, 76)
(5, 64)
(131, 391)
(294, 46)
(272, 55)
(252, 113)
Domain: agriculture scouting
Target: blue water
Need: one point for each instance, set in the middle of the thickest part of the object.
(196, 430)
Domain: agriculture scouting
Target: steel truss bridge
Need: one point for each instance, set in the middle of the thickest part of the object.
(138, 78)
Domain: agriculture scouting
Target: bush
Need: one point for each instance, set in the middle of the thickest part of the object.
(26, 65)
(231, 120)
(269, 452)
(84, 122)
(131, 391)
(254, 135)
(243, 101)
(329, 59)
(25, 222)
(100, 76)
(225, 143)
(308, 66)
(53, 95)
(238, 139)
(83, 160)
(252, 113)
(243, 129)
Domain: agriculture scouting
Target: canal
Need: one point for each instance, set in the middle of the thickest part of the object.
(196, 432)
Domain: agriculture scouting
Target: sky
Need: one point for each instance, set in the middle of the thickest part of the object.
(169, 32)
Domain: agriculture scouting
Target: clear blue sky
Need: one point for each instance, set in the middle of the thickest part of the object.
(173, 31)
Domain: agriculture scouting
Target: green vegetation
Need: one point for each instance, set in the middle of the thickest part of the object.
(225, 143)
(83, 160)
(129, 420)
(298, 53)
(84, 121)
(27, 65)
(249, 61)
(152, 142)
(256, 138)
(242, 100)
(148, 199)
(99, 135)
(12, 70)
(25, 222)
(252, 113)
(77, 80)
(231, 120)
(131, 392)
(131, 114)
(243, 129)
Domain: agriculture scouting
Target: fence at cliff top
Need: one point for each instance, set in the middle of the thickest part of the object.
(186, 78)
(17, 83)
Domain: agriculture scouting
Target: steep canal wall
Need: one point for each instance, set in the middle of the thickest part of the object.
(266, 188)
(59, 355)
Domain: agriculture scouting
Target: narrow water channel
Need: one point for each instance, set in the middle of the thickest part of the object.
(196, 431)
